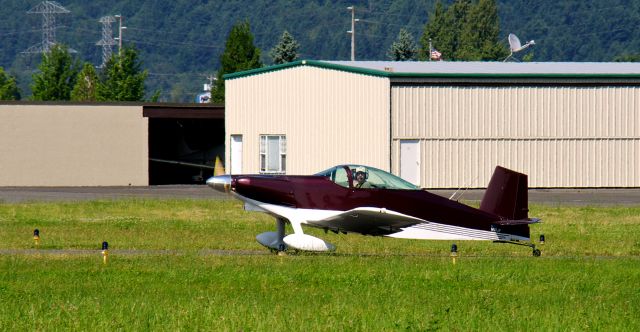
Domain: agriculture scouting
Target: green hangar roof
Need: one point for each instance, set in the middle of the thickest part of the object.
(455, 69)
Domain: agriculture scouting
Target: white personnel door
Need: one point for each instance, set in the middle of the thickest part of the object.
(236, 154)
(410, 160)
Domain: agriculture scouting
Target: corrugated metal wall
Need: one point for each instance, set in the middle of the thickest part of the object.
(561, 136)
(73, 145)
(329, 117)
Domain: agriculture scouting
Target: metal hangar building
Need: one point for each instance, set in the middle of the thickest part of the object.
(440, 124)
(108, 144)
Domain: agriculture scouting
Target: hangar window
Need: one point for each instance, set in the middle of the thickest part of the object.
(273, 154)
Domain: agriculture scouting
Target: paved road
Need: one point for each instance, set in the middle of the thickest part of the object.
(54, 194)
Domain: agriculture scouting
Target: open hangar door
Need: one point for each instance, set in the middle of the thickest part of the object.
(184, 141)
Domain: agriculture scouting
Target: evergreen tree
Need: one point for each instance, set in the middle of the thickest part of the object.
(239, 54)
(404, 48)
(123, 78)
(438, 33)
(86, 83)
(528, 57)
(57, 75)
(457, 17)
(8, 87)
(286, 50)
(464, 31)
(479, 39)
(627, 58)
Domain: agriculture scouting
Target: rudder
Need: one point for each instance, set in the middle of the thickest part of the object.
(507, 195)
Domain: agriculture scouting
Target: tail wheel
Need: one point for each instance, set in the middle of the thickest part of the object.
(536, 253)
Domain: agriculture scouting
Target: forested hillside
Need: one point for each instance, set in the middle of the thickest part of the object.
(180, 41)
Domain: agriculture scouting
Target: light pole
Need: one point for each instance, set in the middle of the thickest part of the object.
(120, 28)
(353, 31)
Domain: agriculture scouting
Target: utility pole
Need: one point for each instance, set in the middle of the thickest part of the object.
(120, 28)
(107, 39)
(48, 9)
(353, 31)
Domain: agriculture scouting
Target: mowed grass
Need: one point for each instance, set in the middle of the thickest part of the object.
(588, 277)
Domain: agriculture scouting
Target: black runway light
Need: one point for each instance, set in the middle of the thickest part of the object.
(454, 253)
(36, 236)
(105, 251)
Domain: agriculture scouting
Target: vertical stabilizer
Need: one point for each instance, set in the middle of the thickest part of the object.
(507, 195)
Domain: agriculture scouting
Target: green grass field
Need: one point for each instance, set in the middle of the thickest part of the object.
(170, 269)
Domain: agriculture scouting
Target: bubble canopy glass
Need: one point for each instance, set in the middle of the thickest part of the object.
(377, 178)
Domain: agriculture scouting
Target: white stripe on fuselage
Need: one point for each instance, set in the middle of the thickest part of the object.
(421, 231)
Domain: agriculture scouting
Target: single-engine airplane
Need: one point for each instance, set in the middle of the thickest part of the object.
(366, 200)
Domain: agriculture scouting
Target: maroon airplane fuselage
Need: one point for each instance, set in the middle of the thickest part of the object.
(318, 192)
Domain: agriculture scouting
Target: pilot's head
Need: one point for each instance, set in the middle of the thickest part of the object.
(361, 174)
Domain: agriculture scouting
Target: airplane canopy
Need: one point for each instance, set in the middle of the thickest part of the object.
(344, 175)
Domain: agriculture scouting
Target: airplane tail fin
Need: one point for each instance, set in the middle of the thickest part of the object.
(507, 195)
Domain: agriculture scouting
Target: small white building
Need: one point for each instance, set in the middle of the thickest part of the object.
(440, 124)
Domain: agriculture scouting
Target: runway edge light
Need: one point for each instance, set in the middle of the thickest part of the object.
(105, 252)
(454, 253)
(36, 236)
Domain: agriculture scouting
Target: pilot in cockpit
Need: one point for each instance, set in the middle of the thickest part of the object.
(360, 178)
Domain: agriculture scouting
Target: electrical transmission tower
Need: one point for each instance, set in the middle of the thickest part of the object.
(49, 10)
(107, 40)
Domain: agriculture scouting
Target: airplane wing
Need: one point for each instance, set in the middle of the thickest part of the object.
(367, 220)
(363, 220)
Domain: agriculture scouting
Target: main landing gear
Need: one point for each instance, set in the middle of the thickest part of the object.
(535, 252)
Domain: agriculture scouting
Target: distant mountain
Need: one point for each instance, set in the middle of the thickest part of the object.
(181, 41)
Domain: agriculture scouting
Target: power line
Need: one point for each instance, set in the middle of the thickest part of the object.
(177, 74)
(176, 44)
(18, 32)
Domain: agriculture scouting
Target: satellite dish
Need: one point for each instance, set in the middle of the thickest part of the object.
(516, 46)
(514, 43)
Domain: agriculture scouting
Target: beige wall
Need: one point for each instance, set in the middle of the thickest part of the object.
(329, 117)
(560, 136)
(73, 145)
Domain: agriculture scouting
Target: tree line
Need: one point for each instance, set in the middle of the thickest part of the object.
(456, 30)
(464, 31)
(62, 77)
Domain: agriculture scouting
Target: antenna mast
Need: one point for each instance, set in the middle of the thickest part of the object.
(48, 9)
(107, 40)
